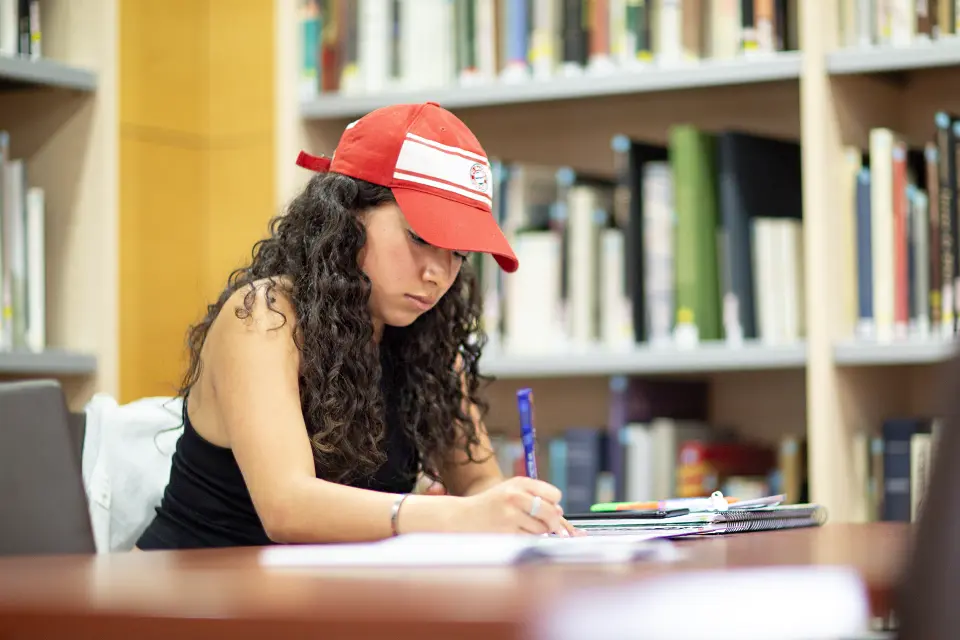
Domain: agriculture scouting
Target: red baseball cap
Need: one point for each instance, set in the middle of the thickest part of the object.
(436, 169)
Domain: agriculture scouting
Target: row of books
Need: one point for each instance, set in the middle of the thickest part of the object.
(901, 457)
(22, 256)
(865, 23)
(20, 28)
(658, 443)
(369, 46)
(698, 239)
(904, 248)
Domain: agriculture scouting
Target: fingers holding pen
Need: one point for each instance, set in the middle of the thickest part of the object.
(541, 516)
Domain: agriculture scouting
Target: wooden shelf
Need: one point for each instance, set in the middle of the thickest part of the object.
(907, 352)
(23, 72)
(711, 73)
(52, 362)
(643, 360)
(872, 60)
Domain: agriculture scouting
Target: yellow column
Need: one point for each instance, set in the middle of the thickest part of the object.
(196, 169)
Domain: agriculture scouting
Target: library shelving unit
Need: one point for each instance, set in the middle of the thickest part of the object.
(644, 360)
(784, 66)
(828, 387)
(60, 112)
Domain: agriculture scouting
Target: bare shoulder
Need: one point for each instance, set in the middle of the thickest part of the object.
(263, 306)
(257, 321)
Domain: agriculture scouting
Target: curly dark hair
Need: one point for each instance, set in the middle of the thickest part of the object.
(311, 255)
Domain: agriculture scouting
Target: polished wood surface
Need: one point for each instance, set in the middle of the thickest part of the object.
(225, 592)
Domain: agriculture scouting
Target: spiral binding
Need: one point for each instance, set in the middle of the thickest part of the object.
(786, 517)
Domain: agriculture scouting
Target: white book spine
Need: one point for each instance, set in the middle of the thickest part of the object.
(724, 28)
(36, 271)
(670, 32)
(659, 227)
(764, 247)
(582, 264)
(883, 15)
(8, 28)
(14, 187)
(545, 45)
(791, 232)
(373, 32)
(484, 39)
(426, 52)
(903, 22)
(866, 23)
(616, 315)
(533, 294)
(622, 49)
(640, 462)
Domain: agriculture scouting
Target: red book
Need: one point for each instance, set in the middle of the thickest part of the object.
(901, 289)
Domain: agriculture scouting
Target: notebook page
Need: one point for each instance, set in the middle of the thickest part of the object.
(442, 550)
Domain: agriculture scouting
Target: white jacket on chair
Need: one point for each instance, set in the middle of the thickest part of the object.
(127, 451)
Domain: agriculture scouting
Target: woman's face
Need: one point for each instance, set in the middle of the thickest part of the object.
(408, 275)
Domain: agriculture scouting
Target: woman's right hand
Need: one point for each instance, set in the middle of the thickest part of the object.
(516, 505)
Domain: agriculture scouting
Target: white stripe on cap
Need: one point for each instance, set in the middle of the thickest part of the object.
(444, 169)
(446, 147)
(409, 177)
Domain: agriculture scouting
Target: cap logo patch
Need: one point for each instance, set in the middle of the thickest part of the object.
(479, 177)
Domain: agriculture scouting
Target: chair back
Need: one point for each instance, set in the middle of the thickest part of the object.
(43, 504)
(926, 607)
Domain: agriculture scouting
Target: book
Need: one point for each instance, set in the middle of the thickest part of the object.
(712, 522)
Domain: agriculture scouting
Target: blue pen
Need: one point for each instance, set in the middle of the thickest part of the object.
(528, 434)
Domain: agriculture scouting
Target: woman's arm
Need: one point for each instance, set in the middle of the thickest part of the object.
(253, 363)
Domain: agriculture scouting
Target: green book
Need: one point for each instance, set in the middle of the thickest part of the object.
(692, 154)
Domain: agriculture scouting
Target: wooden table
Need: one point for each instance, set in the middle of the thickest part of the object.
(225, 594)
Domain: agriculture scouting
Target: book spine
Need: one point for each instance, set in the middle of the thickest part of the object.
(934, 243)
(946, 179)
(901, 306)
(574, 34)
(920, 262)
(865, 325)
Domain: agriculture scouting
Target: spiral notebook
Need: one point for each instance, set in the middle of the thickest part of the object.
(710, 522)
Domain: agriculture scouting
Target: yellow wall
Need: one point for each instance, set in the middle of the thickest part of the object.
(196, 169)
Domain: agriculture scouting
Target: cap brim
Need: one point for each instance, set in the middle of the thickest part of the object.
(449, 224)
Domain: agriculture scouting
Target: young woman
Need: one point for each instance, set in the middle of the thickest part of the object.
(342, 361)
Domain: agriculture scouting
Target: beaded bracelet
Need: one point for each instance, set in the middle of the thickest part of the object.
(395, 512)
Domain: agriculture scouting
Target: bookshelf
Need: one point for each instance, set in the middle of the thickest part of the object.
(831, 387)
(41, 73)
(644, 360)
(60, 112)
(52, 362)
(888, 59)
(784, 65)
(853, 353)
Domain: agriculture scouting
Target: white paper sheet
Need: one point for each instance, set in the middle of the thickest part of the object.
(443, 550)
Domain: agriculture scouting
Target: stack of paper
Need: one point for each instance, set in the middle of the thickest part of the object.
(441, 550)
(731, 520)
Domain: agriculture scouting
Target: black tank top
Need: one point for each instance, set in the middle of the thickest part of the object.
(206, 502)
